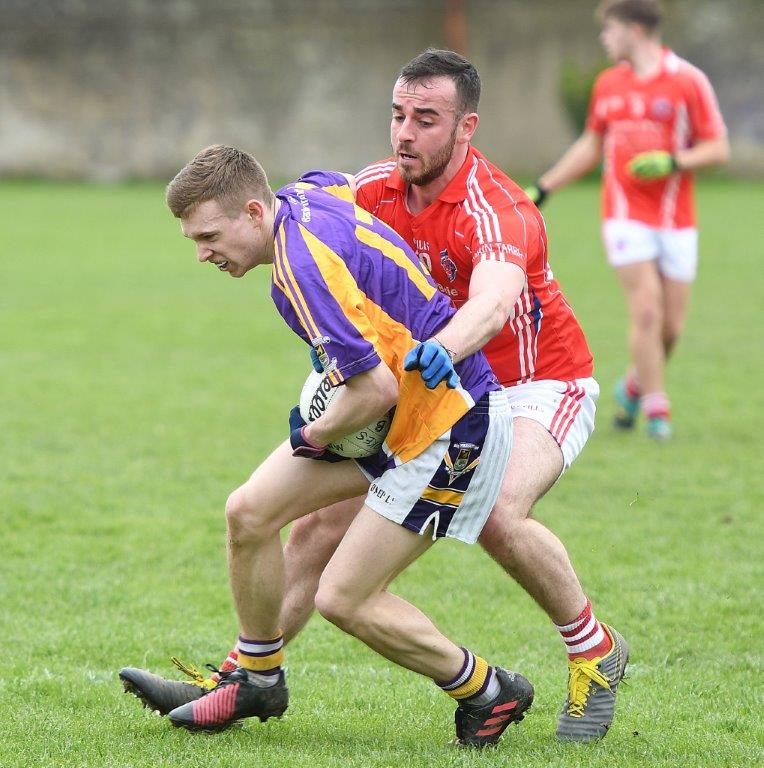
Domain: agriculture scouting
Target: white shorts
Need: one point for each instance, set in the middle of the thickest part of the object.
(674, 250)
(452, 486)
(564, 408)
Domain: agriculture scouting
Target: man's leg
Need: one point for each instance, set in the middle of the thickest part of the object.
(538, 561)
(353, 595)
(643, 287)
(525, 549)
(283, 488)
(311, 544)
(280, 490)
(676, 300)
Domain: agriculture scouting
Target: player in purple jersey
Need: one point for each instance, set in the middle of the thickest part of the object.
(351, 287)
(336, 265)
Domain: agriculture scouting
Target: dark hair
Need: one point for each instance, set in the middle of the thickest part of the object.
(438, 63)
(646, 13)
(220, 173)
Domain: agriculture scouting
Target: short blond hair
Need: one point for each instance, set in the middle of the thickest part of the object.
(221, 173)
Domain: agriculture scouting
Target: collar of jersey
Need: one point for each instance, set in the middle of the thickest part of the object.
(667, 54)
(282, 212)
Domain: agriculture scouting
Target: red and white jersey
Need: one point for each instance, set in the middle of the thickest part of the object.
(482, 215)
(670, 111)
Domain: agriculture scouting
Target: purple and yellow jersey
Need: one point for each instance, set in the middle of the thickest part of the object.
(350, 286)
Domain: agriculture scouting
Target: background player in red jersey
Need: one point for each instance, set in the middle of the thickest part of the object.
(486, 247)
(655, 119)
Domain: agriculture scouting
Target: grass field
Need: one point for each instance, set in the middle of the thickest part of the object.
(138, 388)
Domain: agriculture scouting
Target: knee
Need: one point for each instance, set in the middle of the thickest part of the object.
(502, 534)
(672, 330)
(247, 522)
(336, 605)
(308, 549)
(305, 531)
(647, 315)
(319, 528)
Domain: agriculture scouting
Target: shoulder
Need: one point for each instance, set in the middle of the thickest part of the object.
(488, 185)
(375, 174)
(612, 77)
(335, 183)
(495, 204)
(688, 75)
(491, 179)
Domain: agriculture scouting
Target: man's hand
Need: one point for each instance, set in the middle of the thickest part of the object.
(536, 193)
(435, 363)
(652, 165)
(301, 446)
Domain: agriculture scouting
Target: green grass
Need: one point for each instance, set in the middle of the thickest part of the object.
(138, 388)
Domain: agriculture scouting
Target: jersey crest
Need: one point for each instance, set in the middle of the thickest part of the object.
(662, 109)
(448, 264)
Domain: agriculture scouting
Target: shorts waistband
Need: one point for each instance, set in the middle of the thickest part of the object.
(495, 403)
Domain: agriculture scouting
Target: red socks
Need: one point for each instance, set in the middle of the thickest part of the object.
(585, 637)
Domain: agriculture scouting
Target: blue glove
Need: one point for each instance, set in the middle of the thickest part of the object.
(317, 367)
(434, 361)
(301, 446)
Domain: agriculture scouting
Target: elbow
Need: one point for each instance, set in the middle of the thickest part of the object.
(498, 319)
(591, 151)
(385, 389)
(388, 393)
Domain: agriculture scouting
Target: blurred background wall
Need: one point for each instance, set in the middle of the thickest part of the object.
(110, 90)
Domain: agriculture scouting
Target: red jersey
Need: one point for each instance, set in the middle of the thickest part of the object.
(482, 215)
(669, 111)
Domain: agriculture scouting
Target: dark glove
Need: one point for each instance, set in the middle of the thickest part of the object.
(537, 194)
(301, 446)
(316, 363)
(435, 363)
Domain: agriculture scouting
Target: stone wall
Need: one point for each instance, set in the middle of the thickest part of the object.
(110, 90)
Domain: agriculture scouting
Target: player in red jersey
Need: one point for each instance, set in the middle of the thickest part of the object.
(486, 246)
(654, 118)
(481, 216)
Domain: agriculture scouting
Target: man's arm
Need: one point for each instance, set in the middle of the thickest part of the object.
(705, 153)
(659, 163)
(364, 397)
(495, 286)
(582, 156)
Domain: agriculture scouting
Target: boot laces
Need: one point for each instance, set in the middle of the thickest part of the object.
(583, 672)
(196, 676)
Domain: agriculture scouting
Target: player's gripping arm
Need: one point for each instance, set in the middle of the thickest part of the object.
(364, 397)
(495, 286)
(582, 156)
